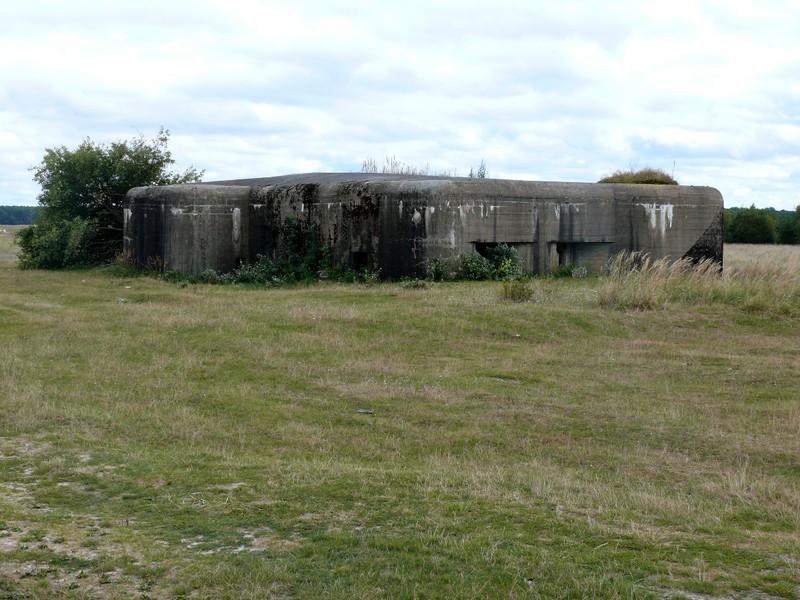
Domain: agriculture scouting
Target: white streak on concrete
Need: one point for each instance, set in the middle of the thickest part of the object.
(237, 225)
(462, 213)
(660, 216)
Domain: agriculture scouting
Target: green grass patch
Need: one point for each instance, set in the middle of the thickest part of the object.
(394, 441)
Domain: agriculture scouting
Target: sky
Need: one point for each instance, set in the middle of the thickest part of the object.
(562, 90)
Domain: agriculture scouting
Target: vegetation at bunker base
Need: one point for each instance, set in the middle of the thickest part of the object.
(634, 281)
(160, 441)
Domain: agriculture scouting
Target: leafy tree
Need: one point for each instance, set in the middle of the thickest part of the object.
(727, 220)
(788, 228)
(752, 226)
(81, 216)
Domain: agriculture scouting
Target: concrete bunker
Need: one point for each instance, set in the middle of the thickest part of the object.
(398, 223)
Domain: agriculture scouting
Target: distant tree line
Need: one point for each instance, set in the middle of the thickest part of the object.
(762, 226)
(18, 215)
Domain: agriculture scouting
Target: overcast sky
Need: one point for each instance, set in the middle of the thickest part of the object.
(562, 90)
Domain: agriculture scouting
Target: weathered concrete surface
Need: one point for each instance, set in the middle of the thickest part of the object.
(398, 223)
(189, 228)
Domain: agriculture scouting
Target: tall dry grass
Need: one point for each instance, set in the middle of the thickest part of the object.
(745, 255)
(635, 281)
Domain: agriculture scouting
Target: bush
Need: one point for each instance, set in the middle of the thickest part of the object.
(501, 263)
(57, 244)
(210, 276)
(262, 272)
(646, 175)
(474, 267)
(563, 270)
(516, 290)
(505, 262)
(172, 276)
(438, 269)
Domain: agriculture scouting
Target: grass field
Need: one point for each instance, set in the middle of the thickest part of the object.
(180, 441)
(747, 255)
(8, 249)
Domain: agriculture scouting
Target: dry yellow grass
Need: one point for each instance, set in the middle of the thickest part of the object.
(762, 284)
(764, 255)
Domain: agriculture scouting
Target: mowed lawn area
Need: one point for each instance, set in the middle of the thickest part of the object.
(163, 440)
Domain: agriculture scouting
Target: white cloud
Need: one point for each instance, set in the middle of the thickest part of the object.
(553, 89)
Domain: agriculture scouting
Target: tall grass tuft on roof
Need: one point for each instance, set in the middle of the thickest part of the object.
(646, 175)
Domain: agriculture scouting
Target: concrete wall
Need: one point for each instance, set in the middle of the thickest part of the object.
(189, 228)
(398, 223)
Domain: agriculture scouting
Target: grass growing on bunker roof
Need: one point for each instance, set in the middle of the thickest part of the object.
(367, 442)
(647, 175)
